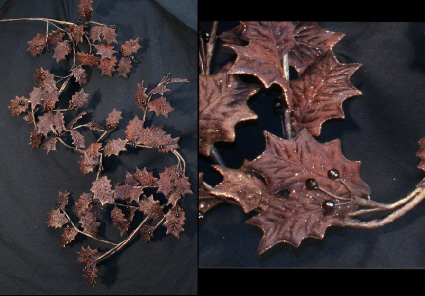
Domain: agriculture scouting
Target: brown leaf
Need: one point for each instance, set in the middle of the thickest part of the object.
(19, 105)
(162, 88)
(88, 59)
(68, 235)
(36, 97)
(107, 65)
(174, 221)
(79, 74)
(89, 223)
(115, 147)
(242, 186)
(160, 106)
(87, 257)
(78, 100)
(49, 121)
(95, 33)
(130, 180)
(130, 47)
(62, 200)
(94, 126)
(141, 97)
(119, 220)
(90, 158)
(109, 35)
(50, 100)
(55, 37)
(151, 208)
(207, 201)
(146, 232)
(83, 204)
(85, 9)
(76, 32)
(318, 94)
(127, 193)
(233, 36)
(102, 190)
(152, 136)
(36, 139)
(78, 139)
(173, 180)
(37, 44)
(222, 104)
(124, 67)
(90, 274)
(62, 49)
(113, 120)
(50, 145)
(56, 219)
(145, 178)
(105, 51)
(46, 80)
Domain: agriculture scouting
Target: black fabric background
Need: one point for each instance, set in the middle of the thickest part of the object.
(31, 259)
(381, 129)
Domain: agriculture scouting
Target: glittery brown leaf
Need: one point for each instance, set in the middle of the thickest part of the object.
(90, 274)
(153, 136)
(55, 37)
(105, 51)
(160, 106)
(78, 100)
(68, 235)
(162, 88)
(151, 208)
(173, 180)
(145, 178)
(233, 36)
(79, 74)
(50, 100)
(119, 220)
(36, 97)
(141, 97)
(88, 59)
(115, 147)
(37, 44)
(90, 158)
(85, 9)
(124, 67)
(244, 187)
(89, 223)
(49, 121)
(113, 120)
(222, 104)
(78, 139)
(102, 190)
(62, 49)
(207, 201)
(87, 257)
(18, 105)
(56, 219)
(130, 47)
(50, 145)
(83, 204)
(318, 94)
(95, 33)
(76, 32)
(421, 154)
(36, 139)
(130, 180)
(94, 126)
(62, 200)
(109, 35)
(174, 221)
(46, 80)
(146, 232)
(107, 65)
(128, 193)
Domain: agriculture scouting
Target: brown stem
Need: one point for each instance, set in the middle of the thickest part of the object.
(36, 19)
(210, 47)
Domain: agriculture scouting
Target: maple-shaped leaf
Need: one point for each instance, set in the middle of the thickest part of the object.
(51, 121)
(140, 98)
(28, 118)
(56, 219)
(160, 106)
(102, 190)
(36, 139)
(421, 154)
(19, 105)
(78, 139)
(173, 180)
(62, 49)
(292, 164)
(113, 119)
(62, 200)
(222, 104)
(83, 204)
(318, 94)
(46, 80)
(68, 235)
(79, 74)
(90, 274)
(207, 201)
(88, 59)
(146, 232)
(85, 9)
(151, 208)
(78, 100)
(107, 66)
(37, 44)
(105, 51)
(162, 88)
(87, 257)
(174, 221)
(119, 220)
(75, 119)
(55, 37)
(242, 186)
(76, 32)
(90, 158)
(115, 147)
(130, 47)
(124, 67)
(50, 145)
(89, 223)
(145, 178)
(234, 35)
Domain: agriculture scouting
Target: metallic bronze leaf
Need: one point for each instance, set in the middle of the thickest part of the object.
(160, 106)
(83, 204)
(88, 59)
(78, 139)
(78, 100)
(242, 186)
(102, 190)
(55, 37)
(36, 139)
(151, 207)
(95, 33)
(62, 200)
(107, 65)
(288, 164)
(37, 44)
(124, 67)
(130, 47)
(145, 178)
(174, 221)
(318, 94)
(68, 235)
(50, 145)
(109, 35)
(19, 105)
(105, 51)
(207, 201)
(140, 98)
(87, 257)
(90, 158)
(51, 121)
(76, 32)
(62, 49)
(89, 223)
(79, 74)
(222, 104)
(146, 232)
(56, 219)
(119, 220)
(46, 80)
(115, 147)
(173, 180)
(85, 9)
(113, 119)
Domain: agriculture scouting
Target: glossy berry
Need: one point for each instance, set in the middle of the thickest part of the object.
(333, 174)
(311, 184)
(277, 107)
(328, 206)
(201, 216)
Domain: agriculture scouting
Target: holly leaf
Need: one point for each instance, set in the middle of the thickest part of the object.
(130, 47)
(89, 223)
(102, 190)
(146, 232)
(207, 200)
(55, 37)
(128, 193)
(160, 106)
(62, 49)
(87, 257)
(50, 145)
(145, 178)
(124, 67)
(318, 94)
(78, 100)
(51, 121)
(68, 235)
(140, 98)
(95, 33)
(113, 120)
(173, 180)
(115, 147)
(151, 208)
(83, 205)
(85, 9)
(107, 65)
(36, 97)
(119, 220)
(78, 139)
(19, 105)
(242, 186)
(174, 221)
(36, 139)
(46, 80)
(222, 104)
(88, 59)
(56, 219)
(109, 35)
(79, 74)
(105, 51)
(90, 158)
(62, 200)
(289, 164)
(76, 32)
(37, 44)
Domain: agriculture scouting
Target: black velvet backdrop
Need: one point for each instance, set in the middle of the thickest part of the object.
(31, 259)
(381, 129)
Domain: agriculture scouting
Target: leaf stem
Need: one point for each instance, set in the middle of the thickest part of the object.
(210, 47)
